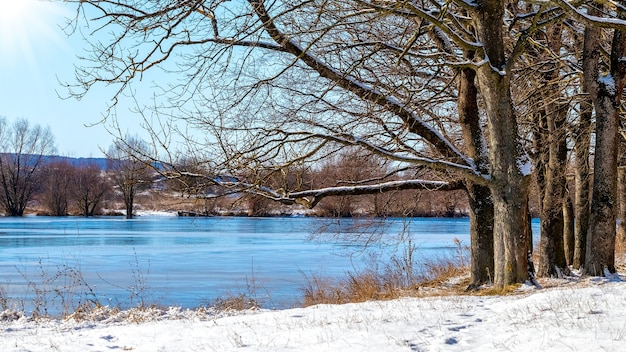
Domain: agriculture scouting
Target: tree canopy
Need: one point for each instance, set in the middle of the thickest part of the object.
(267, 88)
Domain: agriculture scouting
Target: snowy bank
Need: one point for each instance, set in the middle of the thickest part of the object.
(587, 316)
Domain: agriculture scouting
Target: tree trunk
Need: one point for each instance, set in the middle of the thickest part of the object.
(510, 165)
(481, 235)
(128, 201)
(553, 154)
(621, 191)
(480, 201)
(129, 210)
(582, 181)
(607, 99)
(568, 229)
(591, 55)
(602, 231)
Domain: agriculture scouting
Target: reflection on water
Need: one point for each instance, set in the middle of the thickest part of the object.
(191, 261)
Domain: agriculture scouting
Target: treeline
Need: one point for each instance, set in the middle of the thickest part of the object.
(350, 168)
(29, 177)
(32, 179)
(353, 168)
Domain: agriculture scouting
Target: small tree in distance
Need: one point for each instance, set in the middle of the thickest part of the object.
(129, 174)
(88, 189)
(56, 188)
(23, 147)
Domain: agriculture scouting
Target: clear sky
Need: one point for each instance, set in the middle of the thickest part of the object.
(35, 55)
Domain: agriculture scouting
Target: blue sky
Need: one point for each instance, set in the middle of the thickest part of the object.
(35, 55)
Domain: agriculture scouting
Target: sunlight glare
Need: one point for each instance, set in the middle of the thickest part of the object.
(26, 24)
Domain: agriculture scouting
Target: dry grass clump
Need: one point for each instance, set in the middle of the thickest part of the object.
(492, 291)
(237, 303)
(446, 272)
(356, 287)
(400, 276)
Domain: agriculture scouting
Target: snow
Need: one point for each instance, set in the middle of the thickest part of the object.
(525, 165)
(153, 213)
(609, 83)
(583, 316)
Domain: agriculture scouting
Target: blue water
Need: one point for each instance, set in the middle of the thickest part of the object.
(189, 262)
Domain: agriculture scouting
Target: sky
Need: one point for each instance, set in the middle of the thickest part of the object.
(35, 56)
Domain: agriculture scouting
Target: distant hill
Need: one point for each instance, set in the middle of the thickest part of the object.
(78, 162)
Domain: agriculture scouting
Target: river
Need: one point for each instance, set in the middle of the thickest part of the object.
(57, 263)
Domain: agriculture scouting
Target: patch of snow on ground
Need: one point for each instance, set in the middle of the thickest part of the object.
(588, 316)
(154, 213)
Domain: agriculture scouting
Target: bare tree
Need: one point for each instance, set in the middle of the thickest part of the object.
(23, 147)
(128, 172)
(606, 93)
(57, 187)
(272, 84)
(541, 92)
(89, 187)
(590, 60)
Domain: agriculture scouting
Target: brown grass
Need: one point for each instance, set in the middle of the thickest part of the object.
(237, 303)
(492, 291)
(395, 280)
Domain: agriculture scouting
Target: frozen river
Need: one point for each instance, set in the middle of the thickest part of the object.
(188, 262)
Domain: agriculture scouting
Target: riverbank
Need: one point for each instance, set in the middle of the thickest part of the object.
(575, 314)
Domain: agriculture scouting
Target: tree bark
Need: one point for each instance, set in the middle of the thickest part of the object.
(480, 200)
(621, 188)
(600, 258)
(129, 202)
(582, 181)
(481, 235)
(590, 61)
(602, 231)
(568, 229)
(510, 165)
(554, 156)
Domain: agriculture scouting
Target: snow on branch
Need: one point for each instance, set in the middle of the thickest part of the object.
(416, 10)
(311, 198)
(434, 164)
(570, 7)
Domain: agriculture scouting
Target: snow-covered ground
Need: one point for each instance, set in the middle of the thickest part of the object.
(589, 315)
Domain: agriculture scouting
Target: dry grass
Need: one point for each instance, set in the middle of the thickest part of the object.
(492, 291)
(237, 303)
(399, 277)
(356, 287)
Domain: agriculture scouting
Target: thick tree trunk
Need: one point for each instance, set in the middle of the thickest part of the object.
(602, 231)
(607, 99)
(510, 165)
(480, 201)
(510, 236)
(481, 235)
